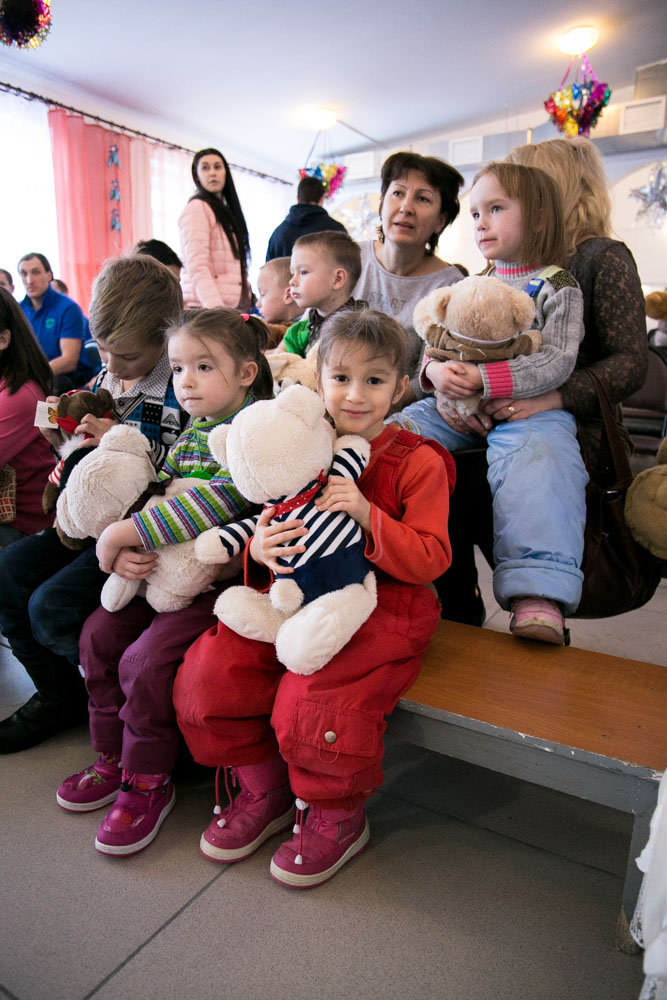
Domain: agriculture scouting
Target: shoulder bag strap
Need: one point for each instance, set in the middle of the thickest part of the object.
(621, 467)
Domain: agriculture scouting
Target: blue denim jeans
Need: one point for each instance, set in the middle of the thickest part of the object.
(538, 480)
(9, 534)
(47, 593)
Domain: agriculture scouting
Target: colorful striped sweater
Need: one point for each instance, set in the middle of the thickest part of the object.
(182, 518)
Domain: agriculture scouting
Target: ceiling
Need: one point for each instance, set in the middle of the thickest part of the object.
(239, 75)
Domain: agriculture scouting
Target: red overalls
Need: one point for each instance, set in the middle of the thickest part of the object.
(236, 703)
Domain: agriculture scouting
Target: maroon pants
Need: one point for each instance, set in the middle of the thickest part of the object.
(130, 658)
(236, 704)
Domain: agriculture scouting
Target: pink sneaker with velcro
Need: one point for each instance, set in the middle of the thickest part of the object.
(92, 788)
(143, 803)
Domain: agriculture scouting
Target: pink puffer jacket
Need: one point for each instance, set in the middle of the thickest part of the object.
(211, 274)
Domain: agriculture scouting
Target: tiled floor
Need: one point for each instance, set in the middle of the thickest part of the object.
(475, 886)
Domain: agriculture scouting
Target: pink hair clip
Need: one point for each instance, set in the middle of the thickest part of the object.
(245, 317)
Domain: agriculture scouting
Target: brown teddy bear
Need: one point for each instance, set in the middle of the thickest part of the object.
(66, 415)
(656, 308)
(291, 369)
(646, 506)
(478, 319)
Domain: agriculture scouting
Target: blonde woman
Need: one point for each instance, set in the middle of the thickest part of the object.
(615, 342)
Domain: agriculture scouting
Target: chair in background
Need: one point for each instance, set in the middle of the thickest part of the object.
(645, 412)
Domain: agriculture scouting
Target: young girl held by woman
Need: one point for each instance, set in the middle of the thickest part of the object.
(130, 656)
(536, 472)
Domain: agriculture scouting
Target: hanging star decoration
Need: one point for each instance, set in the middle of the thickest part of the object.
(330, 174)
(575, 108)
(360, 220)
(24, 23)
(653, 196)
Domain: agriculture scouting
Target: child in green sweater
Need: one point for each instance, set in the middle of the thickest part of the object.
(325, 268)
(130, 657)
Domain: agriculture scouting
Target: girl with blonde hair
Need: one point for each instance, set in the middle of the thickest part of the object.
(615, 346)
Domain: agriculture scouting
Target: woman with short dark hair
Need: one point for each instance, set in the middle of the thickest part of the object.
(418, 200)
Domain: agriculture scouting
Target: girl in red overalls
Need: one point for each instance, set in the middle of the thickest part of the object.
(319, 737)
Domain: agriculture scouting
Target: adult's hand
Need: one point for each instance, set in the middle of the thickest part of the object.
(475, 423)
(68, 359)
(519, 409)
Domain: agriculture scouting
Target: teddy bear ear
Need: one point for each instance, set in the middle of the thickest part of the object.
(63, 405)
(656, 305)
(437, 303)
(123, 438)
(217, 442)
(301, 402)
(277, 364)
(421, 318)
(105, 398)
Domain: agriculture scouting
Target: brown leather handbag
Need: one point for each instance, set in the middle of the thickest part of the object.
(7, 494)
(619, 574)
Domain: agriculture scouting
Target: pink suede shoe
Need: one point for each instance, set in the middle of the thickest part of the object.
(263, 807)
(538, 618)
(320, 846)
(92, 788)
(144, 802)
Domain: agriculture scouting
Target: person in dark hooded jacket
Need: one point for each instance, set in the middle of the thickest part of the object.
(307, 216)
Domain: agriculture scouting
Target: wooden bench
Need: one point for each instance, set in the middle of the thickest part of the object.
(580, 722)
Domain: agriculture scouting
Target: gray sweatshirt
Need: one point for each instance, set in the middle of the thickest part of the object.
(560, 319)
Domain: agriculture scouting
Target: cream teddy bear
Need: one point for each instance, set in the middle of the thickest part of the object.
(478, 319)
(277, 452)
(118, 477)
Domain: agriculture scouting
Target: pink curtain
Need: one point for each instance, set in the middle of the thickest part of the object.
(93, 198)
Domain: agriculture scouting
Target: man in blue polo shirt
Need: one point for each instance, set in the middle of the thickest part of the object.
(57, 321)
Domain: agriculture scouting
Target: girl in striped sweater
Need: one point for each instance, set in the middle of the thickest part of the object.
(130, 656)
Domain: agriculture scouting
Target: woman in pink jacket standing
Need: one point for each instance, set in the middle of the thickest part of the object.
(214, 238)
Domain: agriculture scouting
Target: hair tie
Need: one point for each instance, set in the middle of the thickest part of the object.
(245, 317)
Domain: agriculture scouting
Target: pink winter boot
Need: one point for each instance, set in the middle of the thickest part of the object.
(142, 805)
(320, 847)
(263, 807)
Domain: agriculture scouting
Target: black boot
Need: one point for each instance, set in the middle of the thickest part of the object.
(40, 718)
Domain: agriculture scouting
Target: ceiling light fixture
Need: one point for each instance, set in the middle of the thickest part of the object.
(320, 118)
(578, 40)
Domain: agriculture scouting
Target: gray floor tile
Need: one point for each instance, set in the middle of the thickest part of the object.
(70, 916)
(435, 910)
